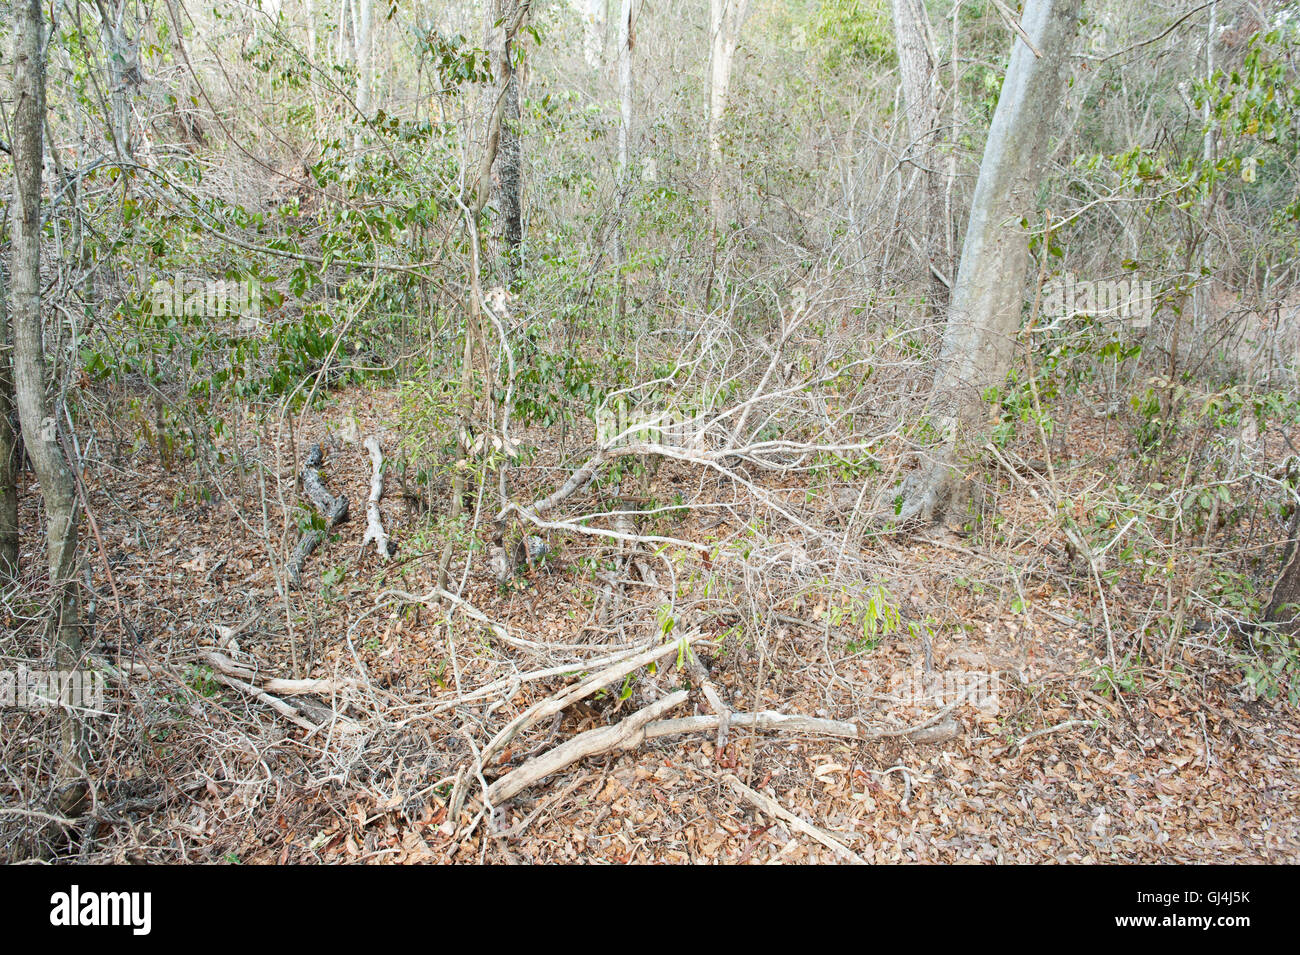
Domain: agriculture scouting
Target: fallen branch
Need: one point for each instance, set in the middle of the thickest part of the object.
(276, 684)
(287, 710)
(777, 811)
(626, 734)
(374, 521)
(1068, 724)
(570, 695)
(769, 721)
(333, 509)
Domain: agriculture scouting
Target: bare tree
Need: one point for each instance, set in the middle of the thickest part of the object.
(984, 315)
(37, 412)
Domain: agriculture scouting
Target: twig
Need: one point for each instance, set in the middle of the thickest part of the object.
(1068, 724)
(775, 809)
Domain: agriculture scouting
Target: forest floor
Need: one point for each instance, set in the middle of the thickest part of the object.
(1052, 765)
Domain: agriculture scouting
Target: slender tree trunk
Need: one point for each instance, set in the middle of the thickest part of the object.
(309, 7)
(593, 31)
(948, 219)
(9, 450)
(625, 41)
(121, 35)
(37, 413)
(725, 20)
(507, 189)
(365, 71)
(342, 47)
(984, 314)
(1201, 292)
(917, 68)
(1284, 602)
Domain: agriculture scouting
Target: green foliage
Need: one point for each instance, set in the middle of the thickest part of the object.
(872, 614)
(853, 32)
(1124, 677)
(428, 417)
(1271, 665)
(199, 678)
(1015, 405)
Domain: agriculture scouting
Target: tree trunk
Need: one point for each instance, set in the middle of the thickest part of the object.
(592, 13)
(121, 35)
(917, 69)
(624, 134)
(9, 451)
(725, 19)
(507, 187)
(342, 48)
(37, 413)
(984, 314)
(1284, 601)
(365, 72)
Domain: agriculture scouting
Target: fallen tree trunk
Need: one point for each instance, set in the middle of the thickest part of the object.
(333, 509)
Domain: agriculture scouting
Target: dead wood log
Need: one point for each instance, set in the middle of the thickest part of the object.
(769, 721)
(570, 695)
(333, 509)
(627, 734)
(282, 686)
(374, 521)
(300, 714)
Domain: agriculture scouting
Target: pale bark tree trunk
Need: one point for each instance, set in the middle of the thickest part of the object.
(593, 30)
(725, 20)
(917, 69)
(1201, 292)
(949, 259)
(9, 450)
(37, 413)
(365, 72)
(121, 36)
(625, 42)
(310, 7)
(984, 314)
(342, 47)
